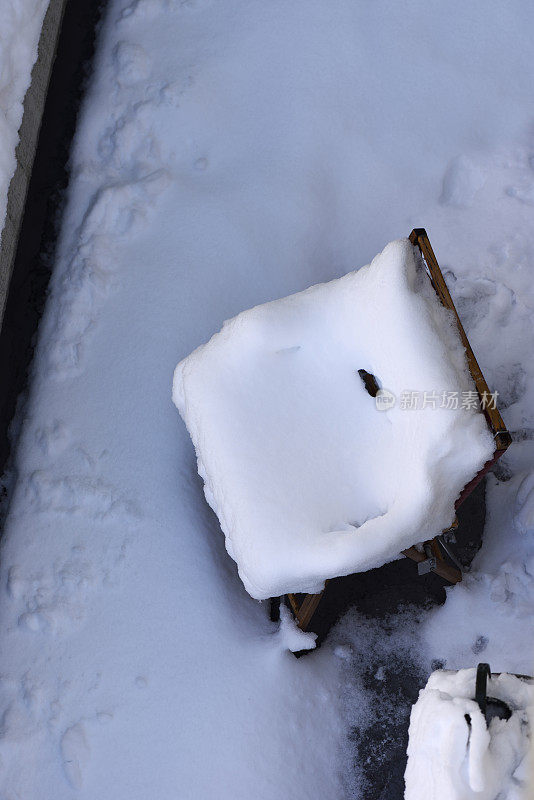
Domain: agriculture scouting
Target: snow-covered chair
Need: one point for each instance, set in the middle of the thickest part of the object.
(313, 477)
(464, 744)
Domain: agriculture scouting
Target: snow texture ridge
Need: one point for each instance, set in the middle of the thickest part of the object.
(309, 479)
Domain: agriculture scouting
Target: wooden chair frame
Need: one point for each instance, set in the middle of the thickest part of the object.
(304, 609)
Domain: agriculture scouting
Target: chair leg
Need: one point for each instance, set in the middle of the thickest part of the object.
(274, 609)
(304, 611)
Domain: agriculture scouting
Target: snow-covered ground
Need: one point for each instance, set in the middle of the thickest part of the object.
(229, 154)
(20, 28)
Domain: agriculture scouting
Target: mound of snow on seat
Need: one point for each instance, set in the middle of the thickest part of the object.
(309, 479)
(450, 758)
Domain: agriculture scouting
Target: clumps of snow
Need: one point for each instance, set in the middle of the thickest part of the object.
(453, 754)
(309, 478)
(19, 35)
(380, 674)
(343, 651)
(290, 635)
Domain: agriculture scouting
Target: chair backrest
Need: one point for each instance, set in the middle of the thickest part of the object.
(419, 238)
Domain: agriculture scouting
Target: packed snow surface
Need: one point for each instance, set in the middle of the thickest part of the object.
(228, 154)
(310, 479)
(20, 28)
(454, 754)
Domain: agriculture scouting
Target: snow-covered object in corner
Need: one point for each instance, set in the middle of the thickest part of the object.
(308, 478)
(451, 759)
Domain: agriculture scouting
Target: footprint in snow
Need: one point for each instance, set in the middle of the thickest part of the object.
(74, 754)
(16, 582)
(479, 645)
(462, 180)
(131, 63)
(524, 193)
(510, 380)
(52, 439)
